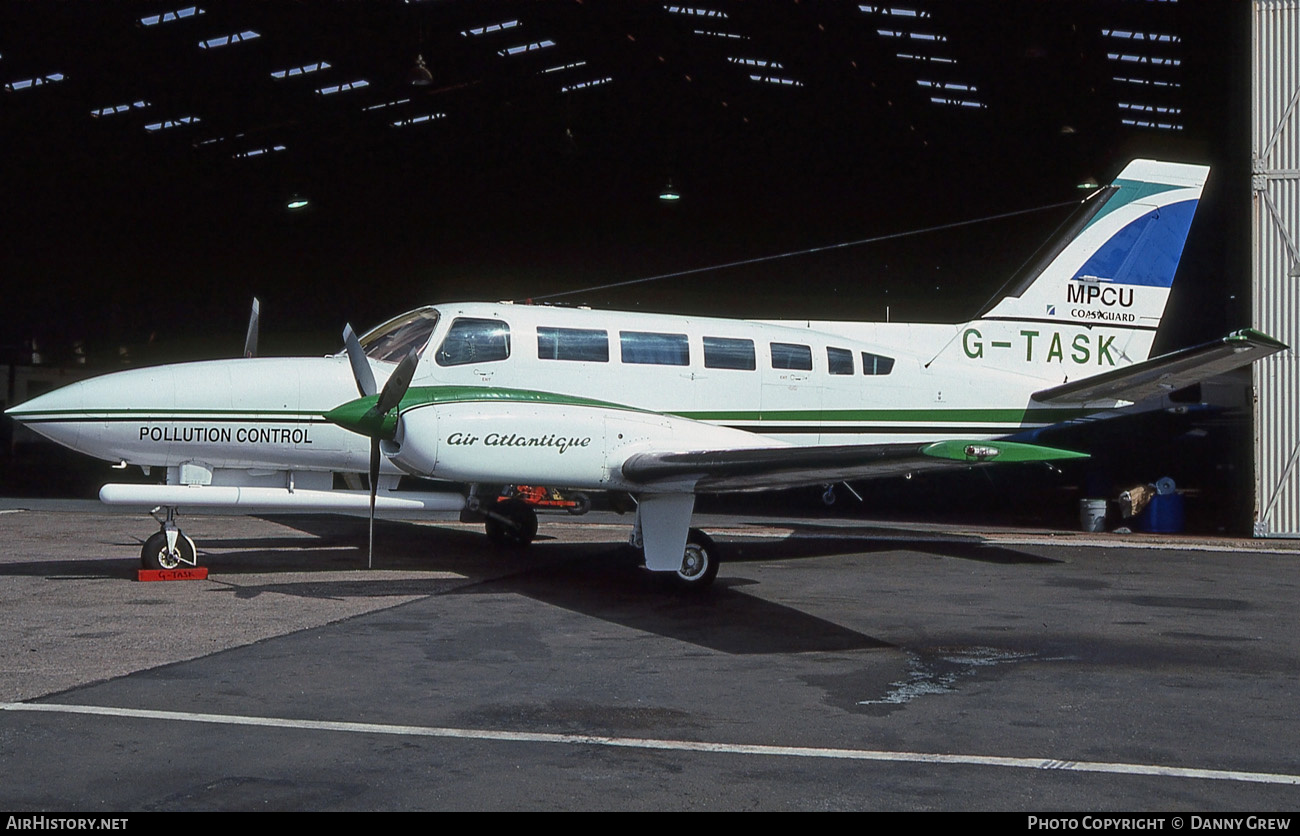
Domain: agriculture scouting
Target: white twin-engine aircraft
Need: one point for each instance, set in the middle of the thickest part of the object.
(660, 407)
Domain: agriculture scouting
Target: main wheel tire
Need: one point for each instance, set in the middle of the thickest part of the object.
(699, 561)
(154, 554)
(517, 529)
(581, 504)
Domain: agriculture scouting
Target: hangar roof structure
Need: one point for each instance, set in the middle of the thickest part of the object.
(152, 149)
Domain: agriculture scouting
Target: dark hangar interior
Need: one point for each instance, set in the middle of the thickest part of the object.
(485, 149)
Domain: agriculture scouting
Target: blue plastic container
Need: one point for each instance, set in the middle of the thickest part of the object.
(1164, 514)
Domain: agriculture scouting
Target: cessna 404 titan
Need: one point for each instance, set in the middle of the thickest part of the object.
(657, 406)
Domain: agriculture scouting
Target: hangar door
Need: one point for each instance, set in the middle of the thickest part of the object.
(1275, 261)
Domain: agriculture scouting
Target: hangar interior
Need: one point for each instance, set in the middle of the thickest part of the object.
(484, 149)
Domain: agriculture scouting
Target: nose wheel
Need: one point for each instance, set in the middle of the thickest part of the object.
(169, 548)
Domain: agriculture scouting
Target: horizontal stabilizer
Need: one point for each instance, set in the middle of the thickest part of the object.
(783, 467)
(1166, 373)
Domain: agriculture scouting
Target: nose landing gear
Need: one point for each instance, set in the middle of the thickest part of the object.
(169, 548)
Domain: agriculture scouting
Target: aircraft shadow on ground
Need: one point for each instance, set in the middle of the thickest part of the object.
(816, 540)
(601, 580)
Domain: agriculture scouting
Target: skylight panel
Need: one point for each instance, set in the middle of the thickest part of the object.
(303, 70)
(1154, 37)
(171, 17)
(757, 62)
(257, 152)
(1143, 59)
(582, 85)
(383, 105)
(172, 123)
(948, 85)
(1149, 82)
(971, 103)
(894, 11)
(692, 11)
(38, 81)
(778, 80)
(342, 88)
(563, 67)
(416, 120)
(716, 34)
(213, 140)
(1143, 123)
(934, 59)
(915, 36)
(122, 108)
(522, 48)
(489, 29)
(1145, 108)
(227, 40)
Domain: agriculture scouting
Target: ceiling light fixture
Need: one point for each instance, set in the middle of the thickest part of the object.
(419, 76)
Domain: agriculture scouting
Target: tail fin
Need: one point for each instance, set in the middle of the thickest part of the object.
(1118, 267)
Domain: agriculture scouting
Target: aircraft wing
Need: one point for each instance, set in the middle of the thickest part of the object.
(1168, 372)
(775, 467)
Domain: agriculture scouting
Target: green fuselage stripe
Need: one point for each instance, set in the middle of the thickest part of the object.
(757, 419)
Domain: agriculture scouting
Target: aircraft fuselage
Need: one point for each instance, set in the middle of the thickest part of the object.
(515, 392)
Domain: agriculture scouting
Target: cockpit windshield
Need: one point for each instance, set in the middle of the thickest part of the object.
(395, 338)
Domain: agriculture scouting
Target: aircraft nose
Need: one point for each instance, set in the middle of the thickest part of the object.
(90, 415)
(56, 415)
(60, 401)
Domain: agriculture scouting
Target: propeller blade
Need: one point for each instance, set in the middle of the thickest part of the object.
(347, 415)
(398, 382)
(365, 376)
(374, 488)
(250, 339)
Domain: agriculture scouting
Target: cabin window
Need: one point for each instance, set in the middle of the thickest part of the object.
(876, 364)
(723, 353)
(584, 344)
(839, 360)
(791, 356)
(654, 349)
(474, 341)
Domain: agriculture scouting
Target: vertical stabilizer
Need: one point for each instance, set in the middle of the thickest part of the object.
(1119, 268)
(1094, 299)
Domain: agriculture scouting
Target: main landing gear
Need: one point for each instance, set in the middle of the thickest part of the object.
(700, 560)
(511, 523)
(170, 548)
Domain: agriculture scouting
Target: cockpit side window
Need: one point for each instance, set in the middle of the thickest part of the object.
(474, 341)
(394, 339)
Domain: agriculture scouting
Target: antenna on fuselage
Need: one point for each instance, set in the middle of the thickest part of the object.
(809, 251)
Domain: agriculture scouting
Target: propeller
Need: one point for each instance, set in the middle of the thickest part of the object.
(372, 422)
(250, 339)
(361, 370)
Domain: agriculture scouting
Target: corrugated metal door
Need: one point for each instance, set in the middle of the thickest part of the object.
(1275, 268)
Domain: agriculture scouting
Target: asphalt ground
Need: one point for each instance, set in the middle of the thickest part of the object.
(835, 665)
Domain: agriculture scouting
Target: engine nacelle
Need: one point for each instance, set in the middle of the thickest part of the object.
(573, 445)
